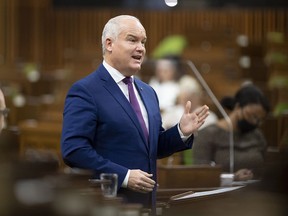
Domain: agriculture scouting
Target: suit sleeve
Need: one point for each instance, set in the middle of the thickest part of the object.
(170, 142)
(79, 126)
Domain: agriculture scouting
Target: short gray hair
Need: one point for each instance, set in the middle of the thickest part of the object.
(113, 28)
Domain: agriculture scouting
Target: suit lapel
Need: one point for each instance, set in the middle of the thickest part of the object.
(112, 87)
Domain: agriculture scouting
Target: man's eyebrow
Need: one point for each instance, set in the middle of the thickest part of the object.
(131, 35)
(134, 36)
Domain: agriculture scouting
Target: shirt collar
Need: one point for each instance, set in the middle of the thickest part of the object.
(115, 74)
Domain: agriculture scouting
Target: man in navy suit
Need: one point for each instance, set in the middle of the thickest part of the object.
(101, 131)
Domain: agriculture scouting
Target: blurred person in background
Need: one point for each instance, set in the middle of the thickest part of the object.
(250, 108)
(3, 111)
(165, 82)
(189, 90)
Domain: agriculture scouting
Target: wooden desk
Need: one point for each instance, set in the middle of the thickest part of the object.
(246, 201)
(40, 137)
(164, 195)
(192, 176)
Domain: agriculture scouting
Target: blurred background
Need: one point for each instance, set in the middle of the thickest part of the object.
(46, 45)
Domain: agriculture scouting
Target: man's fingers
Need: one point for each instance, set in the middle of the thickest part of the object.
(147, 178)
(202, 110)
(144, 187)
(202, 113)
(142, 182)
(187, 107)
(146, 174)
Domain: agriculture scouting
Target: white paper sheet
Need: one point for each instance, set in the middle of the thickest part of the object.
(210, 192)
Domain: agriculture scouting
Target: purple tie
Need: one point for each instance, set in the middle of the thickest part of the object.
(134, 103)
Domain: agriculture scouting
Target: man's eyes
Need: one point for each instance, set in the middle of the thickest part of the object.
(132, 39)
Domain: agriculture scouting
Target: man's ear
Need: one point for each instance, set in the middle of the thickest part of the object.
(108, 44)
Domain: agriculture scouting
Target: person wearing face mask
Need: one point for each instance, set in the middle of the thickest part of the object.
(247, 110)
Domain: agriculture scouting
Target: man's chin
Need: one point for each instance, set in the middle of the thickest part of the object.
(136, 68)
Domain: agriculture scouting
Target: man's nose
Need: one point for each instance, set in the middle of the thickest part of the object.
(141, 47)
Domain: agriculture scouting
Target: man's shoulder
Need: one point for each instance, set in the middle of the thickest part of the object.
(142, 84)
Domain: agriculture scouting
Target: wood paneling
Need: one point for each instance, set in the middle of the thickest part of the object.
(70, 38)
(40, 33)
(2, 31)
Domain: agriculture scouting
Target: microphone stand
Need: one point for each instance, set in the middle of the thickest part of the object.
(220, 108)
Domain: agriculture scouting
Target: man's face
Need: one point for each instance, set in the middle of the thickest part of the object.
(127, 51)
(165, 70)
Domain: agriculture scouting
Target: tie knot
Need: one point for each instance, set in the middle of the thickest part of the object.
(127, 80)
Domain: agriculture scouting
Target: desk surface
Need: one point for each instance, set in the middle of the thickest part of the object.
(248, 201)
(164, 195)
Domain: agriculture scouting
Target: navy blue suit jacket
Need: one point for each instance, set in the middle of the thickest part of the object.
(101, 131)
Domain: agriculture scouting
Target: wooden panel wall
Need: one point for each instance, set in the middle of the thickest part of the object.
(2, 31)
(35, 31)
(70, 38)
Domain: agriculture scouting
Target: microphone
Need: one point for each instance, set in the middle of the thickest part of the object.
(220, 108)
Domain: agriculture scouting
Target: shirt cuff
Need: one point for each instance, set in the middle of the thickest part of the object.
(125, 182)
(183, 137)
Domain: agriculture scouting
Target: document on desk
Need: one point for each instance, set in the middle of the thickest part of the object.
(207, 193)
